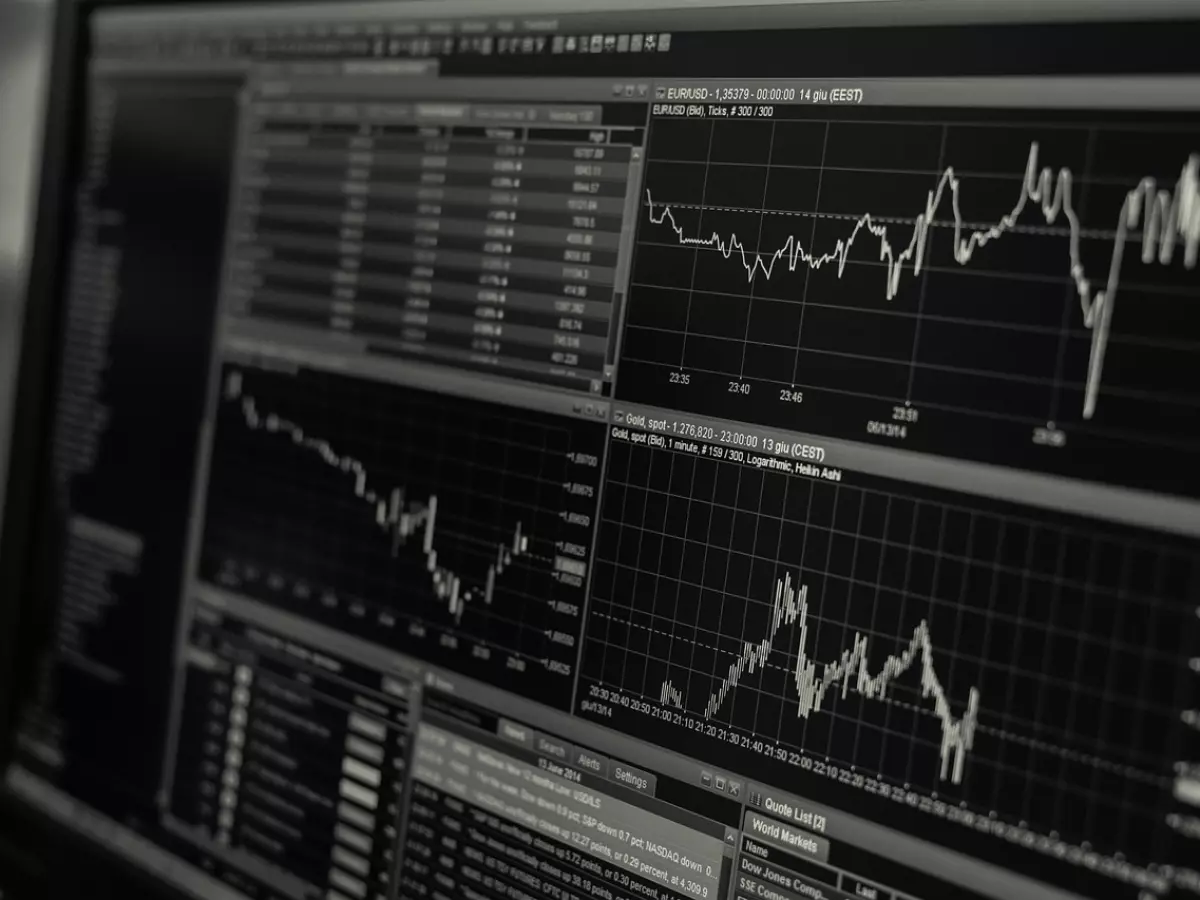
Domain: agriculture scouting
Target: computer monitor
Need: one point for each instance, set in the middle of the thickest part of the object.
(694, 451)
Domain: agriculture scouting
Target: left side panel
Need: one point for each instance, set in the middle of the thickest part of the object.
(144, 264)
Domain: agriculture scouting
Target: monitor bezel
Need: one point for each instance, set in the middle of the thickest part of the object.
(30, 526)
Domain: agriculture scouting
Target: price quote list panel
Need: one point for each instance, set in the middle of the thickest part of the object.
(483, 236)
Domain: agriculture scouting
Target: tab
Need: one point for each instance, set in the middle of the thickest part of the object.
(856, 887)
(501, 113)
(770, 831)
(637, 779)
(515, 732)
(443, 112)
(552, 747)
(571, 115)
(390, 67)
(802, 813)
(388, 112)
(587, 761)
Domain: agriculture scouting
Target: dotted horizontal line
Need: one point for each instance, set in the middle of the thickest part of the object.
(896, 220)
(1098, 762)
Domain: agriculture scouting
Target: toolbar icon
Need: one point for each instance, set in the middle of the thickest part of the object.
(622, 43)
(651, 43)
(569, 44)
(556, 45)
(635, 43)
(664, 42)
(597, 43)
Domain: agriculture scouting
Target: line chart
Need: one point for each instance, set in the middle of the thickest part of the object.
(442, 527)
(393, 515)
(886, 646)
(1019, 294)
(850, 670)
(1165, 217)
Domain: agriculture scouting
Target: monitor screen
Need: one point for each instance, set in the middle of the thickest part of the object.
(697, 453)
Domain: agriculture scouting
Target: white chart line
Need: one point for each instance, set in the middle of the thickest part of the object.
(1166, 218)
(851, 672)
(393, 516)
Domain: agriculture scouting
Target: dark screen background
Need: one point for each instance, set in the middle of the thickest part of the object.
(164, 161)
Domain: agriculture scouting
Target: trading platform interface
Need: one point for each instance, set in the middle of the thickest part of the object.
(616, 456)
